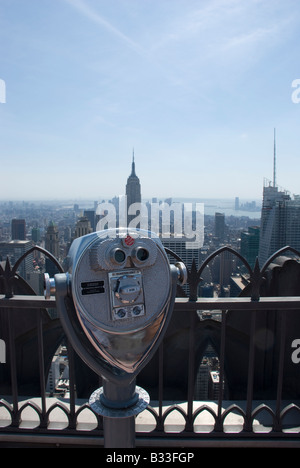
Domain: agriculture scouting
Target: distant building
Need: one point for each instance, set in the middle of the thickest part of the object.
(237, 284)
(180, 246)
(18, 229)
(59, 370)
(201, 385)
(14, 249)
(220, 226)
(222, 268)
(213, 385)
(280, 222)
(207, 384)
(83, 227)
(250, 244)
(36, 234)
(36, 280)
(52, 240)
(91, 216)
(133, 191)
(52, 245)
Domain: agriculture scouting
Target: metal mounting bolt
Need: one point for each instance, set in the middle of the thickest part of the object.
(49, 286)
(182, 272)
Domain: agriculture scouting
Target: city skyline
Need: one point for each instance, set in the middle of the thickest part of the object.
(195, 88)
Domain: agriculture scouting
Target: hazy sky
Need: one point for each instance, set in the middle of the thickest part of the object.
(196, 87)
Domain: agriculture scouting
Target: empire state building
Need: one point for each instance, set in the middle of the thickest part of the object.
(133, 191)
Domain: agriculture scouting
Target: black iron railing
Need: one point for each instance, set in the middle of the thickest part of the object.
(260, 401)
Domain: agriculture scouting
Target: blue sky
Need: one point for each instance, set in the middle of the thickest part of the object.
(196, 87)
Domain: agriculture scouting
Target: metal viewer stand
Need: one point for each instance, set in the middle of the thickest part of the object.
(115, 303)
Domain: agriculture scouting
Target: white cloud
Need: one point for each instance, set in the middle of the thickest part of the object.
(92, 15)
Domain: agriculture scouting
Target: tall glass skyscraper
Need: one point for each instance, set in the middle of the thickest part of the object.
(280, 222)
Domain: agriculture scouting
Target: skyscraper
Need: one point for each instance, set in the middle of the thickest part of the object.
(280, 219)
(133, 191)
(220, 226)
(187, 255)
(91, 216)
(280, 222)
(52, 245)
(14, 249)
(18, 229)
(83, 227)
(250, 244)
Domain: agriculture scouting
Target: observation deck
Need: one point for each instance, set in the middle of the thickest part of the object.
(254, 340)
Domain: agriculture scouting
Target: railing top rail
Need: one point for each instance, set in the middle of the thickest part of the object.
(238, 303)
(27, 302)
(181, 303)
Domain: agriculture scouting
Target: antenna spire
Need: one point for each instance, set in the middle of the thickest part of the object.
(133, 165)
(274, 160)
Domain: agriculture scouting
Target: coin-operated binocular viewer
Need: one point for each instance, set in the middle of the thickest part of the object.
(115, 303)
